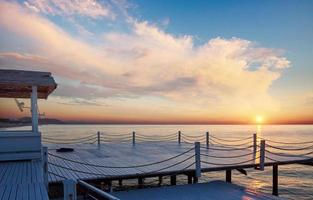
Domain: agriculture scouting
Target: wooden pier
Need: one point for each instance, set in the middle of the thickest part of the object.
(105, 158)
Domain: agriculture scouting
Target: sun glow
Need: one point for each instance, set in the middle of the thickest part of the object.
(259, 119)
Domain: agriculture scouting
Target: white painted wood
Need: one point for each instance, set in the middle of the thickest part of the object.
(34, 109)
(101, 193)
(262, 154)
(22, 180)
(69, 189)
(197, 159)
(45, 166)
(20, 145)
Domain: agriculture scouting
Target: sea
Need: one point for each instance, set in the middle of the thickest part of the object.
(295, 181)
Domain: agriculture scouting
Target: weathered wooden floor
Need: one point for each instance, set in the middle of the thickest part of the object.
(22, 180)
(125, 154)
(214, 190)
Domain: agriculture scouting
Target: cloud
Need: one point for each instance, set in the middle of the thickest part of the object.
(89, 8)
(144, 62)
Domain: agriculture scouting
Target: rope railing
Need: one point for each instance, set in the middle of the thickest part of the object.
(193, 136)
(153, 135)
(213, 141)
(233, 156)
(85, 141)
(114, 134)
(121, 167)
(289, 149)
(231, 140)
(230, 164)
(69, 139)
(226, 149)
(104, 174)
(289, 155)
(285, 143)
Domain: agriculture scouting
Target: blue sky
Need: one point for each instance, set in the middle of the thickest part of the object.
(282, 24)
(166, 60)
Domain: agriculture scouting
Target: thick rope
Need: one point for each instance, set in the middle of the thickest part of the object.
(121, 167)
(227, 164)
(230, 145)
(290, 149)
(69, 139)
(234, 156)
(226, 149)
(233, 140)
(288, 143)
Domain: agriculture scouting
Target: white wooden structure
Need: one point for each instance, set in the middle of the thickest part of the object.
(23, 161)
(24, 145)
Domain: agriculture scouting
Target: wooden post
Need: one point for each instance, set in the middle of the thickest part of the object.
(45, 166)
(69, 189)
(228, 175)
(197, 160)
(34, 109)
(99, 140)
(173, 179)
(120, 182)
(160, 180)
(179, 137)
(254, 146)
(275, 180)
(110, 188)
(134, 138)
(189, 179)
(207, 139)
(262, 154)
(140, 182)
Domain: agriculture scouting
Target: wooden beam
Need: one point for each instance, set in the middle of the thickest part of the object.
(228, 175)
(140, 182)
(120, 182)
(189, 178)
(173, 180)
(160, 180)
(275, 180)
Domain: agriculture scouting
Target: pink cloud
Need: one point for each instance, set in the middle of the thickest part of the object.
(147, 61)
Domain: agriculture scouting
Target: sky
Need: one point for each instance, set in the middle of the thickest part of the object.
(166, 61)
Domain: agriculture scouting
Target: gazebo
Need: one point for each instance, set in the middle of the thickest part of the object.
(24, 145)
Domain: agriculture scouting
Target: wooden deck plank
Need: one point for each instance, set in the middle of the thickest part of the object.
(22, 181)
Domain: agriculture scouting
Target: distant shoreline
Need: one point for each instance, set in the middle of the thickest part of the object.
(12, 125)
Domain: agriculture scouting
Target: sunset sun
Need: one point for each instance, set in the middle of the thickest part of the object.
(259, 119)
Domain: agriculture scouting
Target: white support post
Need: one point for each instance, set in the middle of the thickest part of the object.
(207, 139)
(254, 145)
(99, 140)
(134, 138)
(34, 109)
(45, 166)
(179, 137)
(197, 159)
(262, 154)
(69, 189)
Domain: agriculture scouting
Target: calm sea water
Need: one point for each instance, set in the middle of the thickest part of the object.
(295, 181)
